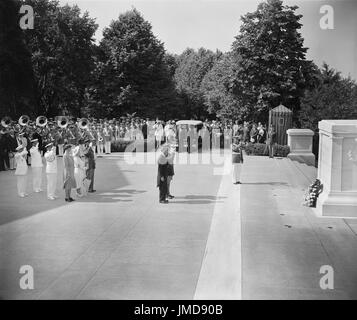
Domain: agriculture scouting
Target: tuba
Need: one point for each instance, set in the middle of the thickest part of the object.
(6, 122)
(24, 120)
(62, 122)
(83, 123)
(41, 121)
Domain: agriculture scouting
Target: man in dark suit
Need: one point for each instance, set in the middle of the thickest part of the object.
(162, 173)
(89, 153)
(3, 150)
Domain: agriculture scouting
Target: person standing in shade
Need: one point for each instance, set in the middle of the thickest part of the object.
(12, 145)
(69, 182)
(162, 174)
(88, 152)
(36, 166)
(51, 171)
(237, 160)
(21, 170)
(270, 142)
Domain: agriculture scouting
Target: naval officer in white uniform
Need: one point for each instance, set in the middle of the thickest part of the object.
(36, 165)
(21, 170)
(51, 171)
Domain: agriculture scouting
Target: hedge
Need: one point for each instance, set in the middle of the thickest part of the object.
(120, 145)
(261, 149)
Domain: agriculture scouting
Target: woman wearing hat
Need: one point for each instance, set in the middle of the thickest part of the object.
(79, 171)
(21, 170)
(69, 181)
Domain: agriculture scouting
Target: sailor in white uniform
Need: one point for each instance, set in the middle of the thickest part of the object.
(21, 170)
(36, 165)
(51, 171)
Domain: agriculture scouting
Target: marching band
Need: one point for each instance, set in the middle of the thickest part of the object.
(80, 140)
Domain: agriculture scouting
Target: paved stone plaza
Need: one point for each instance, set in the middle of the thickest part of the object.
(214, 240)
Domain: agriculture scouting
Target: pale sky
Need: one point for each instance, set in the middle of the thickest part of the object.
(213, 24)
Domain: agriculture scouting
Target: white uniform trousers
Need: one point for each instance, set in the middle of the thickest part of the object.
(21, 184)
(237, 167)
(100, 148)
(12, 163)
(36, 178)
(108, 147)
(60, 150)
(51, 184)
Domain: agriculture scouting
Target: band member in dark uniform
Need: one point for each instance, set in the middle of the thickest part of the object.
(162, 173)
(12, 145)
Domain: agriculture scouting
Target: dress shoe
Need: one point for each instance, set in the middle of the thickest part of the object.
(70, 200)
(91, 191)
(170, 196)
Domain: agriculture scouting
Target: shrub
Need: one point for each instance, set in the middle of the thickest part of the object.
(260, 149)
(120, 145)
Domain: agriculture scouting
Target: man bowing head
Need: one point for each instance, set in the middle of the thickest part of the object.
(162, 173)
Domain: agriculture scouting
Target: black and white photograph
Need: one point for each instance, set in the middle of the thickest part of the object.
(178, 150)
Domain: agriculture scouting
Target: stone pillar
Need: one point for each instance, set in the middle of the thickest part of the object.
(337, 168)
(300, 143)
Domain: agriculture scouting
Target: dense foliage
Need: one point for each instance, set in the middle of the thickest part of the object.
(16, 75)
(57, 68)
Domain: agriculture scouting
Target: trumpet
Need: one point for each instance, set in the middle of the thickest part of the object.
(24, 120)
(83, 123)
(62, 122)
(6, 122)
(41, 121)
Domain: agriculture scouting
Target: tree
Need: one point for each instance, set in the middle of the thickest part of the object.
(16, 75)
(272, 65)
(62, 47)
(191, 68)
(217, 90)
(131, 73)
(332, 97)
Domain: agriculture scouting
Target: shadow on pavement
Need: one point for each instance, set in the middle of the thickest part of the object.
(108, 179)
(111, 195)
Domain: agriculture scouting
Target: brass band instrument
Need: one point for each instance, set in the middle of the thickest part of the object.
(41, 121)
(83, 123)
(24, 120)
(62, 122)
(6, 122)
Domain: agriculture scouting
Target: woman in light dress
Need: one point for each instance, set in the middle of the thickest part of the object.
(79, 172)
(69, 182)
